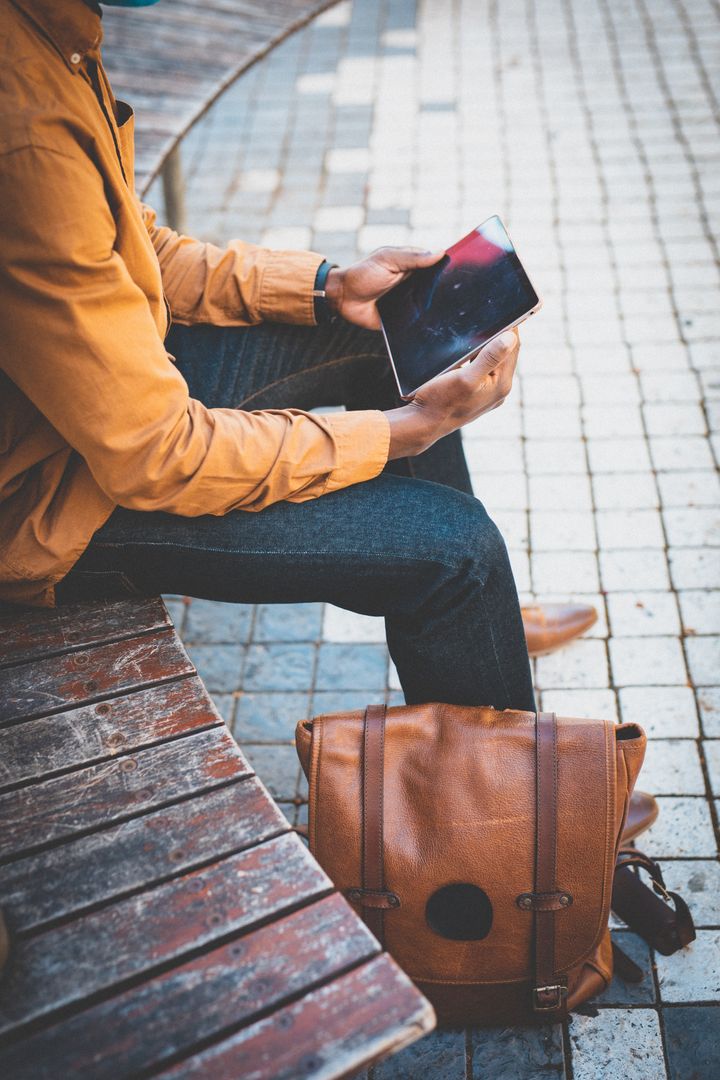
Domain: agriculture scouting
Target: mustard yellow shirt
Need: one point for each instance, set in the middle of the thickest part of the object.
(93, 412)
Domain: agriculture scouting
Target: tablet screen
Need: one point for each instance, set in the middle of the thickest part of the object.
(438, 315)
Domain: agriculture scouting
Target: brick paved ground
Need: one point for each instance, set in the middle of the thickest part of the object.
(589, 125)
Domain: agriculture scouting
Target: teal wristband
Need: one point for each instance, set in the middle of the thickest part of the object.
(323, 311)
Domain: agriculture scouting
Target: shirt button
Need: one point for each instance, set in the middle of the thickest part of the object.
(75, 58)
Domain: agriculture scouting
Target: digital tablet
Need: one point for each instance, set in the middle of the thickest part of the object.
(440, 315)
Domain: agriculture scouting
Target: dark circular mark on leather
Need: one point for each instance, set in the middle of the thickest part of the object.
(461, 912)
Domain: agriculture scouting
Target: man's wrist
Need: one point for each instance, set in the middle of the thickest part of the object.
(334, 283)
(411, 431)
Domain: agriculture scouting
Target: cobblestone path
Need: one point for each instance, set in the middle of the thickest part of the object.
(590, 125)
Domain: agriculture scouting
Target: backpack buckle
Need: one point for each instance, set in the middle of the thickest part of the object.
(549, 998)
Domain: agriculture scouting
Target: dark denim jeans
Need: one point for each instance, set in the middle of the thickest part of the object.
(413, 544)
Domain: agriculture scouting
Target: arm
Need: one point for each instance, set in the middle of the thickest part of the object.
(236, 285)
(79, 340)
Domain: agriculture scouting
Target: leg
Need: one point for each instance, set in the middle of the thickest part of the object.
(274, 366)
(426, 557)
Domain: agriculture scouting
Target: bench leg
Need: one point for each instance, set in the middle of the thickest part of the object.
(174, 191)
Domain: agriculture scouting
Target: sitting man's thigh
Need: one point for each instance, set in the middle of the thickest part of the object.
(369, 548)
(273, 365)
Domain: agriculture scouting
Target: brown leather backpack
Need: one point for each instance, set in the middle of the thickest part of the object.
(480, 847)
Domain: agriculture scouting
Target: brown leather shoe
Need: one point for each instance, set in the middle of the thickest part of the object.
(550, 626)
(642, 812)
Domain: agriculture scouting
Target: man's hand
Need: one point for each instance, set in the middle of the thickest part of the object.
(352, 292)
(455, 398)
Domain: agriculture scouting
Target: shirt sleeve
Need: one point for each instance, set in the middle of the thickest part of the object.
(236, 285)
(78, 337)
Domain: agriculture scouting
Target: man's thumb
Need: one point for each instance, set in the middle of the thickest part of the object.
(495, 352)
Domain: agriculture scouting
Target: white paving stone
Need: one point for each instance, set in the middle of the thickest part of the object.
(640, 661)
(562, 530)
(629, 529)
(664, 712)
(626, 570)
(709, 706)
(339, 218)
(694, 973)
(711, 748)
(694, 568)
(548, 456)
(348, 159)
(626, 491)
(581, 664)
(617, 1043)
(576, 571)
(619, 455)
(560, 493)
(683, 829)
(694, 488)
(341, 625)
(703, 655)
(597, 704)
(698, 882)
(700, 610)
(643, 614)
(693, 527)
(672, 767)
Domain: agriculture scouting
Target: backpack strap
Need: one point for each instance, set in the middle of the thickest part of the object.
(661, 917)
(372, 895)
(550, 989)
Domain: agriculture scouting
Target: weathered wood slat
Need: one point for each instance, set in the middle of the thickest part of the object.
(219, 42)
(60, 682)
(366, 1015)
(55, 884)
(84, 736)
(96, 796)
(78, 959)
(218, 991)
(30, 635)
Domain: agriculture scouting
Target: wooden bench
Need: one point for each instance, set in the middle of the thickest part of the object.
(164, 918)
(173, 63)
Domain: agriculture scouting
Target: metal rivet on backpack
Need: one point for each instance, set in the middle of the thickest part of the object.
(394, 901)
(524, 902)
(565, 900)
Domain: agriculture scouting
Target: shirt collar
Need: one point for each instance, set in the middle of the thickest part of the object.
(73, 26)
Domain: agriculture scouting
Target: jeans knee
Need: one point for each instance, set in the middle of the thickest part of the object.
(467, 542)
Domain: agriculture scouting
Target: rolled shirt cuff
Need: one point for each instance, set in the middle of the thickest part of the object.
(286, 292)
(362, 441)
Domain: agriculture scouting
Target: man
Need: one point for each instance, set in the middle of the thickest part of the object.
(140, 461)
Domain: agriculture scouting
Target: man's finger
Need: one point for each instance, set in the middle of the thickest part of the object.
(407, 258)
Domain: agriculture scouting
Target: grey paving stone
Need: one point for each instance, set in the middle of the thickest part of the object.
(617, 1043)
(176, 611)
(278, 768)
(345, 189)
(692, 1038)
(392, 216)
(219, 666)
(209, 621)
(264, 717)
(620, 992)
(331, 701)
(517, 1053)
(351, 667)
(289, 809)
(225, 705)
(440, 1054)
(279, 667)
(288, 622)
